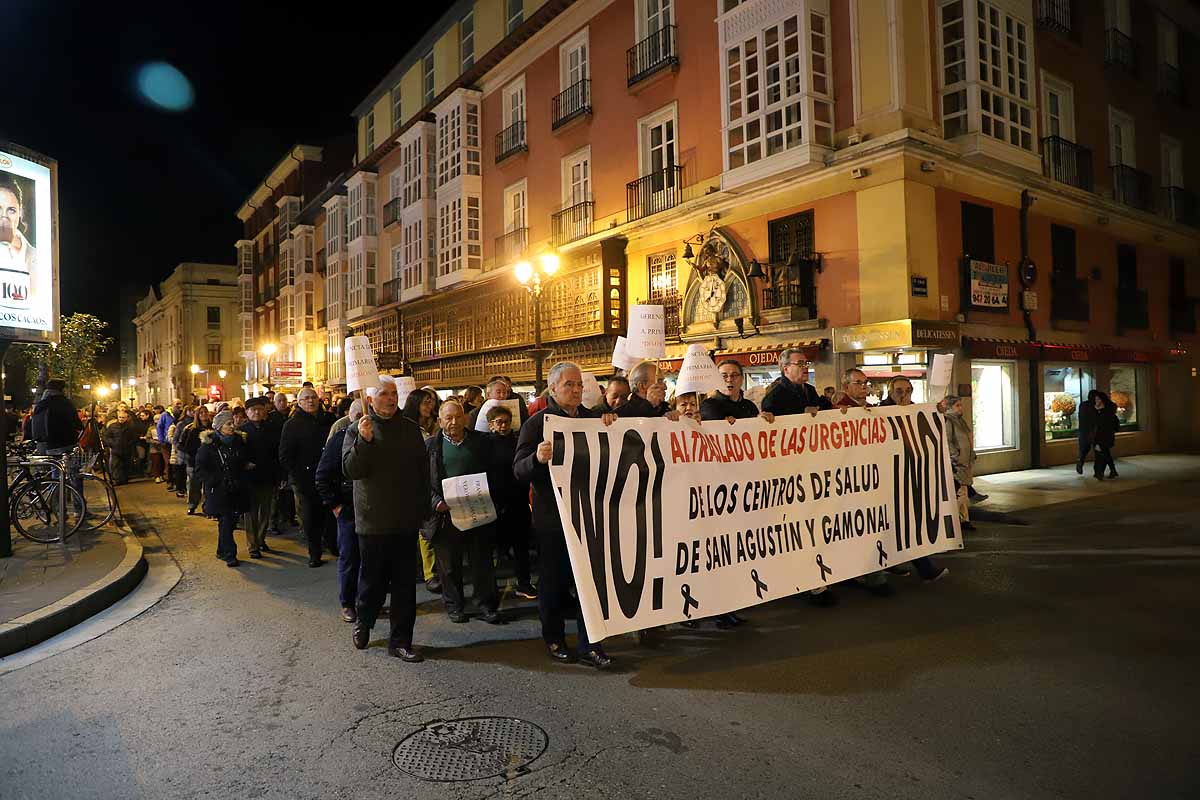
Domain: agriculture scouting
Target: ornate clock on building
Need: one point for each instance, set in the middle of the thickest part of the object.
(712, 293)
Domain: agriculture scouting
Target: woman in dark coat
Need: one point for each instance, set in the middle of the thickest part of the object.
(221, 465)
(1105, 435)
(1087, 428)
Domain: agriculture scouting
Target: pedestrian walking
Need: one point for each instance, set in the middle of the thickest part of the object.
(221, 465)
(120, 437)
(55, 423)
(337, 492)
(189, 445)
(385, 457)
(513, 517)
(962, 455)
(301, 443)
(262, 442)
(1086, 432)
(1104, 437)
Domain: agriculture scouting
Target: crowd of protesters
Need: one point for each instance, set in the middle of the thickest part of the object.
(362, 480)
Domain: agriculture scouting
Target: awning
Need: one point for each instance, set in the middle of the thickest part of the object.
(1060, 351)
(769, 356)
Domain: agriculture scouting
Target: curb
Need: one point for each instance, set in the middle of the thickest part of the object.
(48, 621)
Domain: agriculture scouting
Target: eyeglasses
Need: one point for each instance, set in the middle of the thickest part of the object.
(859, 383)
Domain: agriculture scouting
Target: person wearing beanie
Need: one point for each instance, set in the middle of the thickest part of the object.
(221, 467)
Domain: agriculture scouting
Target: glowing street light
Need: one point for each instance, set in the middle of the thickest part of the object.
(133, 381)
(533, 280)
(222, 373)
(102, 391)
(195, 368)
(268, 350)
(114, 386)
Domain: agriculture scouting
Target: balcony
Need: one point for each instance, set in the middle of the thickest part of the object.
(1131, 187)
(1179, 205)
(1170, 82)
(653, 193)
(655, 52)
(1067, 162)
(574, 102)
(1183, 315)
(1069, 298)
(572, 223)
(389, 292)
(321, 318)
(1133, 309)
(391, 212)
(511, 246)
(511, 141)
(1054, 15)
(793, 286)
(321, 265)
(1120, 50)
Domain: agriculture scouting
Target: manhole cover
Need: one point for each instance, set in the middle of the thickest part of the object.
(470, 749)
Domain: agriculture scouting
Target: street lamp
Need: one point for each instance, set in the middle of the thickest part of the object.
(534, 279)
(132, 392)
(268, 350)
(102, 391)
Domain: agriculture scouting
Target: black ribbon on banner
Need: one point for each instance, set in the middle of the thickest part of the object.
(759, 586)
(824, 569)
(689, 602)
(883, 556)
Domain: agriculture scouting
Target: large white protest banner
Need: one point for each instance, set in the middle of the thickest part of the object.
(666, 521)
(469, 500)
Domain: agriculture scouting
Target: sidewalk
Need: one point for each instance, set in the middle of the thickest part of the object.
(46, 589)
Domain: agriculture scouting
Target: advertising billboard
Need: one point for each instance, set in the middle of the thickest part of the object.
(28, 246)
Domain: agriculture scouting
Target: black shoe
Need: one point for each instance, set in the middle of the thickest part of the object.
(1079, 467)
(595, 658)
(255, 554)
(233, 562)
(458, 617)
(406, 654)
(433, 586)
(978, 497)
(650, 637)
(825, 599)
(191, 510)
(493, 618)
(526, 590)
(1113, 474)
(349, 614)
(361, 637)
(968, 526)
(730, 620)
(559, 652)
(264, 548)
(901, 570)
(881, 589)
(315, 562)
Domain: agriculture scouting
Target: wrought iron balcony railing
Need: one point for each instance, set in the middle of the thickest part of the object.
(1179, 205)
(1120, 50)
(1067, 162)
(391, 211)
(1133, 309)
(794, 285)
(512, 246)
(573, 102)
(1170, 82)
(572, 223)
(650, 194)
(655, 52)
(1131, 187)
(511, 141)
(1069, 298)
(1054, 15)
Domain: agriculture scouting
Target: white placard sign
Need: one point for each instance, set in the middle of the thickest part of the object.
(647, 332)
(405, 384)
(514, 406)
(698, 373)
(621, 359)
(592, 393)
(941, 376)
(666, 521)
(469, 500)
(360, 364)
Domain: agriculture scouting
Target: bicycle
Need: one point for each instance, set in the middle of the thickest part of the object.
(44, 506)
(99, 493)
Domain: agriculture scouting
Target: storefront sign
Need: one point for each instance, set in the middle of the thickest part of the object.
(389, 361)
(989, 285)
(750, 358)
(287, 369)
(771, 510)
(896, 334)
(1042, 351)
(28, 246)
(998, 348)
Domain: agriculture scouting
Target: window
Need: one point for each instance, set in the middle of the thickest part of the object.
(1117, 16)
(397, 262)
(985, 73)
(1122, 149)
(657, 154)
(449, 137)
(994, 404)
(1058, 107)
(427, 78)
(1172, 163)
(573, 60)
(396, 183)
(514, 207)
(414, 256)
(369, 207)
(514, 15)
(1123, 392)
(214, 353)
(396, 117)
(335, 230)
(214, 318)
(514, 102)
(370, 131)
(653, 16)
(1062, 253)
(1064, 388)
(577, 177)
(466, 41)
(978, 233)
(664, 288)
(355, 195)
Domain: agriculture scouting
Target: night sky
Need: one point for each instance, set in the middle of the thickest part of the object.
(142, 189)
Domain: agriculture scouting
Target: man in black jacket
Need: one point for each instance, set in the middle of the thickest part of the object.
(729, 403)
(791, 393)
(300, 446)
(55, 423)
(616, 395)
(385, 457)
(531, 464)
(262, 443)
(283, 510)
(337, 492)
(648, 393)
(458, 451)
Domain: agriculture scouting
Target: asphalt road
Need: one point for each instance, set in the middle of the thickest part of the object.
(1057, 659)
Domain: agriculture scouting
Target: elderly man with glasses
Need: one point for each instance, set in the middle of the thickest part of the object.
(791, 393)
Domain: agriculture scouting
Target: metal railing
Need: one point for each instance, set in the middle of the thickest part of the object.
(1069, 298)
(389, 292)
(511, 141)
(511, 246)
(1133, 309)
(1121, 50)
(650, 194)
(573, 102)
(650, 55)
(391, 211)
(794, 286)
(1067, 162)
(1179, 205)
(1131, 187)
(1170, 82)
(572, 223)
(1054, 15)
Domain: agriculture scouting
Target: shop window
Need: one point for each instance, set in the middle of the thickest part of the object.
(1064, 389)
(1123, 391)
(994, 405)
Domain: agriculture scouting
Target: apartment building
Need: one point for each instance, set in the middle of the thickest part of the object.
(191, 318)
(874, 181)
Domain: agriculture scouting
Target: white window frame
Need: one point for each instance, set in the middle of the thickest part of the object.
(1118, 15)
(1172, 174)
(1118, 117)
(466, 41)
(397, 262)
(396, 108)
(583, 154)
(641, 20)
(428, 79)
(396, 185)
(519, 189)
(370, 133)
(666, 114)
(514, 87)
(1066, 112)
(578, 41)
(513, 19)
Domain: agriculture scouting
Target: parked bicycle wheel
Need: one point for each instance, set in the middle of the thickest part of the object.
(35, 510)
(101, 499)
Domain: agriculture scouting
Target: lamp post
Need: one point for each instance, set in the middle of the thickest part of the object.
(132, 391)
(268, 350)
(535, 279)
(221, 374)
